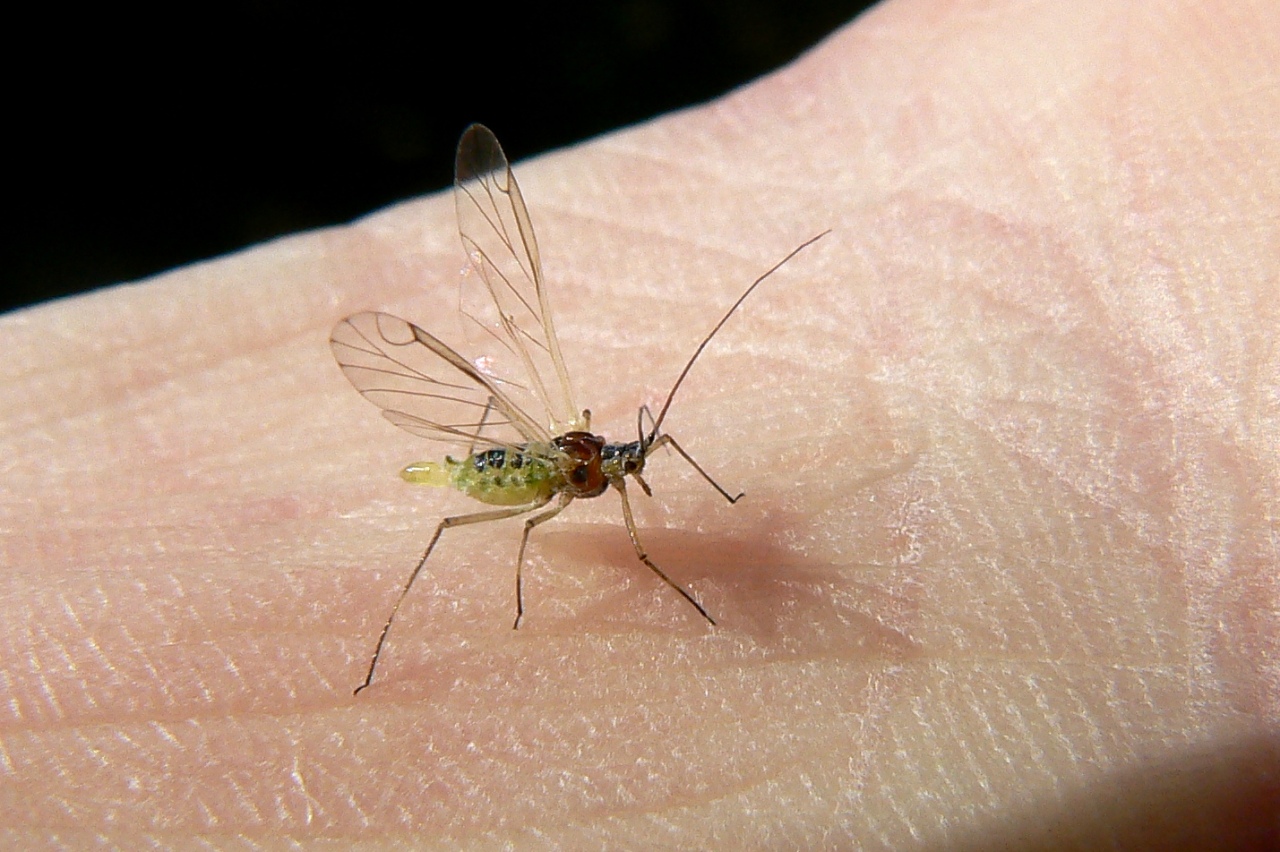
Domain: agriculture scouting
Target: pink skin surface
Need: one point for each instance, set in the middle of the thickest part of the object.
(1006, 570)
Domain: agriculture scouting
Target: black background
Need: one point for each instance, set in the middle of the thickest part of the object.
(142, 143)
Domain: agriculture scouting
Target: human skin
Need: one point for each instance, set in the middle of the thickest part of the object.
(1005, 571)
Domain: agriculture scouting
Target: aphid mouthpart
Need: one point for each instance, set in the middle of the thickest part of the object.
(529, 449)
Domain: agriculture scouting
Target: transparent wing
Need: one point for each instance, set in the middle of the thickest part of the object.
(513, 310)
(426, 388)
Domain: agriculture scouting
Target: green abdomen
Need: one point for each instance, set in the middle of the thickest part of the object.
(498, 477)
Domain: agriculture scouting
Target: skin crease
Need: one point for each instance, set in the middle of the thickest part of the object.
(1006, 570)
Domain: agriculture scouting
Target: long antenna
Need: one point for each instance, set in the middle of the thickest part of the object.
(653, 433)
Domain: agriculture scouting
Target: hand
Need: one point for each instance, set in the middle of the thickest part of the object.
(1005, 570)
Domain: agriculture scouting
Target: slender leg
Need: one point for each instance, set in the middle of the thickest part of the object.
(484, 418)
(565, 500)
(621, 485)
(640, 416)
(447, 523)
(667, 439)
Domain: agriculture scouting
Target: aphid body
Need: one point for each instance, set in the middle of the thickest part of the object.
(525, 463)
(578, 463)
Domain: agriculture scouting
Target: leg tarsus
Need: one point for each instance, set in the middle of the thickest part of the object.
(447, 523)
(565, 500)
(620, 484)
(667, 439)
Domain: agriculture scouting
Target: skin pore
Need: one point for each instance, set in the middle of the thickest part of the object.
(1005, 571)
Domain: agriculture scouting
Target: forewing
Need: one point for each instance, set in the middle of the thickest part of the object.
(513, 312)
(426, 388)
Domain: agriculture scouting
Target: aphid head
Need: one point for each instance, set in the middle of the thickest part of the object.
(619, 460)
